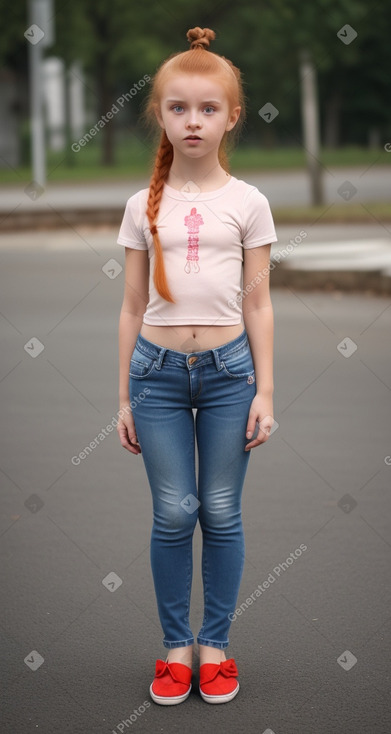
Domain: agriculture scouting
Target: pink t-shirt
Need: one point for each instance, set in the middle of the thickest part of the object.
(202, 236)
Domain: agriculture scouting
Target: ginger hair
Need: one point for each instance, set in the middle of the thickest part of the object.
(196, 60)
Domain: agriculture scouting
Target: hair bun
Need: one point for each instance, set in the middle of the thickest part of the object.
(200, 37)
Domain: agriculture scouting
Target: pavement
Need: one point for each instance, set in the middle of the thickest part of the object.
(283, 188)
(347, 257)
(329, 256)
(79, 627)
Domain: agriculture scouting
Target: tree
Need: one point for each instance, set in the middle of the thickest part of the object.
(120, 41)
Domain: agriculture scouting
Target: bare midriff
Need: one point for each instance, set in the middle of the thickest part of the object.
(191, 338)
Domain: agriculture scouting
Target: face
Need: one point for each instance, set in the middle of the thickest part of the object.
(195, 105)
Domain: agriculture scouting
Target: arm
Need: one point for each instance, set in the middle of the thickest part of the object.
(259, 324)
(133, 307)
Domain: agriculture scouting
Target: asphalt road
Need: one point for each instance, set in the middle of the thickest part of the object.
(79, 626)
(283, 188)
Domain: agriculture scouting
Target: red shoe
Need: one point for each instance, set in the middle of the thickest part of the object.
(172, 683)
(217, 682)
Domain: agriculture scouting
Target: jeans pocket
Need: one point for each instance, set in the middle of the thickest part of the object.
(239, 364)
(141, 365)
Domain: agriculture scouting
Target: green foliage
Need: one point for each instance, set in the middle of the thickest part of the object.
(120, 41)
(134, 159)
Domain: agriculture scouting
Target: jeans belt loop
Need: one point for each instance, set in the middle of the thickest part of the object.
(160, 358)
(217, 358)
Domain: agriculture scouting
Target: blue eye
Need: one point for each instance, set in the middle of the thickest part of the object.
(209, 107)
(177, 106)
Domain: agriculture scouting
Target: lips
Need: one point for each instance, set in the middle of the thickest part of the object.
(193, 137)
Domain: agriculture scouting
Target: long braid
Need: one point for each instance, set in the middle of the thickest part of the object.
(197, 60)
(163, 161)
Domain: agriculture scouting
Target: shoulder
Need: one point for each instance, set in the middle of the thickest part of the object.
(249, 193)
(248, 198)
(138, 199)
(256, 217)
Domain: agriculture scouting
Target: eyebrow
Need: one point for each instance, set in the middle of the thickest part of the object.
(206, 101)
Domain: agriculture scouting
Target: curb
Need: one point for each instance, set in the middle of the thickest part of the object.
(374, 281)
(52, 218)
(18, 221)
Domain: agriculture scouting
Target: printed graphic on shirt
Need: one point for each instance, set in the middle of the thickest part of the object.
(193, 222)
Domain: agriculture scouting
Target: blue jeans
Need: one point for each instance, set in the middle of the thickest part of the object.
(164, 387)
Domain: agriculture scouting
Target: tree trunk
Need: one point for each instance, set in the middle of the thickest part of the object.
(310, 118)
(70, 156)
(105, 103)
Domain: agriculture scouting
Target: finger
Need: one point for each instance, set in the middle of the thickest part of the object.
(264, 433)
(133, 448)
(134, 441)
(262, 437)
(251, 426)
(266, 424)
(128, 441)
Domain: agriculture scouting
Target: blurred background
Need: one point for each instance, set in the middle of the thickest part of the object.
(323, 66)
(79, 630)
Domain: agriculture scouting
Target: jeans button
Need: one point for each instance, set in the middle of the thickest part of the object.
(192, 360)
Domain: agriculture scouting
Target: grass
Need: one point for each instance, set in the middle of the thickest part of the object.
(253, 159)
(335, 214)
(133, 160)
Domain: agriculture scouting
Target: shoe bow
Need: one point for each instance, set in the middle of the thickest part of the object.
(179, 673)
(209, 671)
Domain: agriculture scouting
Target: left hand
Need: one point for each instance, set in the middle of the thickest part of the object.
(261, 411)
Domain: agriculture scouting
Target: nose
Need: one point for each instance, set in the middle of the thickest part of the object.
(193, 120)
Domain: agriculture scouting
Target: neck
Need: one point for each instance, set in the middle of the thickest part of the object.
(205, 171)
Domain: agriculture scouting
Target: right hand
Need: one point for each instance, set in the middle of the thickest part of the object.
(127, 431)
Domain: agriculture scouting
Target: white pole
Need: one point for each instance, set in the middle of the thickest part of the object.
(36, 102)
(40, 34)
(310, 120)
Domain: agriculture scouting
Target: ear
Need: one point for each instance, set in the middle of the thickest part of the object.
(233, 118)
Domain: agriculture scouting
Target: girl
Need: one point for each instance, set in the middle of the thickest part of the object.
(189, 239)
